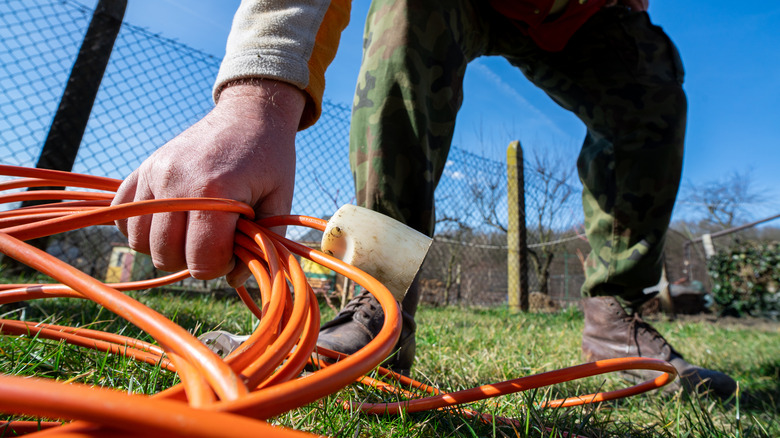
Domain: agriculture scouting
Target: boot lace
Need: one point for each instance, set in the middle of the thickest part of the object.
(638, 328)
(363, 302)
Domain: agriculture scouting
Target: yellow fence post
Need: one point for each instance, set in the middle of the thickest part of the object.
(517, 266)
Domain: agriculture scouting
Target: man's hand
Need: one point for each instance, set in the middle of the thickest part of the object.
(244, 150)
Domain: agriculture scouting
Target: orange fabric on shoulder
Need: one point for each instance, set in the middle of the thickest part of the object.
(327, 41)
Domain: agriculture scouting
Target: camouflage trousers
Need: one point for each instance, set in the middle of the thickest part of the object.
(620, 74)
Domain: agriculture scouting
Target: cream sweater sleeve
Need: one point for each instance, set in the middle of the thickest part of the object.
(288, 40)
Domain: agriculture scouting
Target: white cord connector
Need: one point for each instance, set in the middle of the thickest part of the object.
(386, 249)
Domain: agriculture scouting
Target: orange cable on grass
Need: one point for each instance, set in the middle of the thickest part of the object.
(257, 381)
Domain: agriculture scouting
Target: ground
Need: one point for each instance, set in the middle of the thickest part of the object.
(748, 322)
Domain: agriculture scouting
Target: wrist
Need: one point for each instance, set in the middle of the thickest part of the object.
(264, 100)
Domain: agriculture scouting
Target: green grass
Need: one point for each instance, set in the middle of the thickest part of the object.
(457, 349)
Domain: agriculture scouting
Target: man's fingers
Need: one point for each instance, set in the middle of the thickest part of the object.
(166, 240)
(209, 243)
(239, 275)
(137, 228)
(125, 193)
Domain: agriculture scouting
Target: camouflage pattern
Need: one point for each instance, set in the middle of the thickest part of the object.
(619, 74)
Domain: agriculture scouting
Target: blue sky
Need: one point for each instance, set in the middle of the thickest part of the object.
(731, 53)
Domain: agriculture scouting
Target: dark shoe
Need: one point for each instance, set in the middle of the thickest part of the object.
(359, 322)
(610, 332)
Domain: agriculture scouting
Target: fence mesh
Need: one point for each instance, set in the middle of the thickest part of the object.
(154, 88)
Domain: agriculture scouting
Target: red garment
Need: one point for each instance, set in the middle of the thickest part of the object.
(550, 33)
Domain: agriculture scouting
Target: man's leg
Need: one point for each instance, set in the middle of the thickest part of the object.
(408, 94)
(622, 77)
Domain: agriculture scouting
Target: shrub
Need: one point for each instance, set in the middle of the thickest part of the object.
(746, 280)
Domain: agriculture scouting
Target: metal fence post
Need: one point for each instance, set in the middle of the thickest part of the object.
(517, 266)
(70, 120)
(62, 143)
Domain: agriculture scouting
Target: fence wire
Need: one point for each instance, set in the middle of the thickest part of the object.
(154, 88)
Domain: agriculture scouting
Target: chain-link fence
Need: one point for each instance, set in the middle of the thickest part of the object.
(154, 88)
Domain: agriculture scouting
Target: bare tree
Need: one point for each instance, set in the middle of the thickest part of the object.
(486, 197)
(548, 203)
(724, 202)
(549, 193)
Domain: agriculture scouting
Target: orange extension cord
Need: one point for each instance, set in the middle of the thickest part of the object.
(217, 398)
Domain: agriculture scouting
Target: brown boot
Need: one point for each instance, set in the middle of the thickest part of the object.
(359, 322)
(610, 332)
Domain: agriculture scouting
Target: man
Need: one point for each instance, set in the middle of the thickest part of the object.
(601, 59)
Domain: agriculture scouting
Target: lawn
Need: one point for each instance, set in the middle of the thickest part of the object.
(457, 348)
